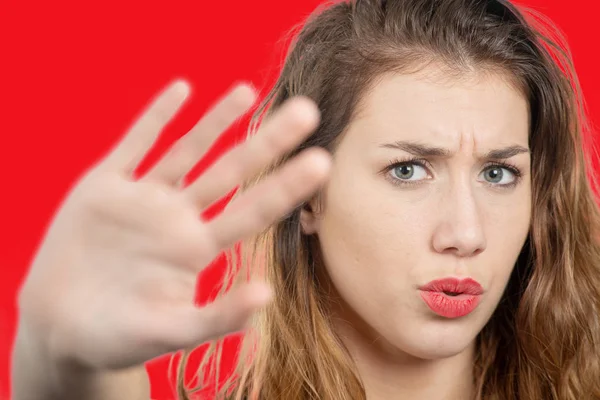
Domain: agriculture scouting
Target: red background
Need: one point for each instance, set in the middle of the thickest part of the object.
(75, 74)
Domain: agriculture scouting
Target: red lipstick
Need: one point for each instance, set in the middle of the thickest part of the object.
(452, 297)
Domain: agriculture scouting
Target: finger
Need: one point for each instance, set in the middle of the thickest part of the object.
(186, 152)
(287, 128)
(271, 199)
(190, 326)
(134, 146)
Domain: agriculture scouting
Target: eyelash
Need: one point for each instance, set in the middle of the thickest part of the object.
(427, 165)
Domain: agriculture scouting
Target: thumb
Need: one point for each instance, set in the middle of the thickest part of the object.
(192, 325)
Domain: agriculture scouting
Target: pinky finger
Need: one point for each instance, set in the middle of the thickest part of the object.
(132, 149)
(271, 199)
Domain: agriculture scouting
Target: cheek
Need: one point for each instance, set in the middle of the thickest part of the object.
(507, 232)
(507, 222)
(371, 238)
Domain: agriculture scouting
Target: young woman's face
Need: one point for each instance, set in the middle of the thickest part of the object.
(431, 181)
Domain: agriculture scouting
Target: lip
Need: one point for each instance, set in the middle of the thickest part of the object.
(468, 295)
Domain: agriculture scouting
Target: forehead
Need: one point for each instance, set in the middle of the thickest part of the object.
(484, 108)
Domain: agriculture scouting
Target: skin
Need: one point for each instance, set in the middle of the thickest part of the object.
(450, 223)
(114, 280)
(454, 218)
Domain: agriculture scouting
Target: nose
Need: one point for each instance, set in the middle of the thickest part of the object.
(459, 230)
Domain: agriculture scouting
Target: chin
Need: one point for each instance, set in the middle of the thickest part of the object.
(436, 340)
(425, 352)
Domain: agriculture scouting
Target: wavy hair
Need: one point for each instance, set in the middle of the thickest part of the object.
(543, 341)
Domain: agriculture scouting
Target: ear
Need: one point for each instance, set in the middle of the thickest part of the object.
(309, 222)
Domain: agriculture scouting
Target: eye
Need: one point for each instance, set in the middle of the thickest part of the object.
(499, 175)
(411, 171)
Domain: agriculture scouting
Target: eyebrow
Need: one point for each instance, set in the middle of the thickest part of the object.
(421, 150)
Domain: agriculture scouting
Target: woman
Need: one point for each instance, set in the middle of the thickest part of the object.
(449, 250)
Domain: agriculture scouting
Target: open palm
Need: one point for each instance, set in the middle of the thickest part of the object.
(113, 283)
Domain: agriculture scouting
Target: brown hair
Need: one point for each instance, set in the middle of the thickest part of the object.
(543, 341)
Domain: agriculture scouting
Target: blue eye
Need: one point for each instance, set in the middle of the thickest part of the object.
(409, 172)
(416, 171)
(500, 176)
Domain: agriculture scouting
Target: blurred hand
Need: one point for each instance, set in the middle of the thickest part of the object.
(113, 283)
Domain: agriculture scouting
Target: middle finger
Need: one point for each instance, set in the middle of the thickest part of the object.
(297, 118)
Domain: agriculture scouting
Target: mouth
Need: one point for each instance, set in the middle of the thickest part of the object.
(454, 286)
(451, 294)
(452, 297)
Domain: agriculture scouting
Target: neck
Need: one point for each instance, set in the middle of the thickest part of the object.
(390, 374)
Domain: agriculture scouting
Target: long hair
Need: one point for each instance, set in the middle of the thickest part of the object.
(543, 341)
